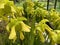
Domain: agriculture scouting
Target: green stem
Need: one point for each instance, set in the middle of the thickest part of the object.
(29, 40)
(27, 35)
(28, 19)
(32, 31)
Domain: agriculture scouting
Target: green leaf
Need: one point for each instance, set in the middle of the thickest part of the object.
(51, 33)
(21, 18)
(13, 9)
(2, 5)
(41, 24)
(48, 29)
(8, 28)
(4, 1)
(1, 12)
(7, 9)
(19, 11)
(42, 39)
(10, 25)
(12, 33)
(25, 27)
(54, 36)
(57, 31)
(43, 21)
(21, 36)
(58, 38)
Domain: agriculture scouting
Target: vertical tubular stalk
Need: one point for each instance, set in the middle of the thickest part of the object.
(55, 4)
(32, 31)
(21, 42)
(28, 19)
(47, 4)
(28, 34)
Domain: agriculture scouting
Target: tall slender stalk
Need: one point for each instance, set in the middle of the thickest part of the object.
(28, 34)
(47, 4)
(55, 4)
(28, 19)
(29, 40)
(32, 31)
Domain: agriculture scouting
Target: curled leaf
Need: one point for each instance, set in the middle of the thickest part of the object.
(10, 25)
(43, 21)
(7, 28)
(54, 36)
(21, 18)
(21, 35)
(57, 31)
(25, 27)
(1, 5)
(48, 29)
(41, 36)
(12, 33)
(13, 9)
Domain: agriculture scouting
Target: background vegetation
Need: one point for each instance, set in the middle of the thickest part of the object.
(29, 23)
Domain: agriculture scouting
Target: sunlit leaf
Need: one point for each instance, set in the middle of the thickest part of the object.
(54, 36)
(14, 39)
(43, 21)
(10, 25)
(38, 28)
(42, 39)
(41, 24)
(21, 36)
(4, 0)
(2, 5)
(12, 33)
(19, 11)
(58, 38)
(12, 9)
(25, 27)
(7, 28)
(57, 31)
(52, 42)
(21, 18)
(48, 29)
